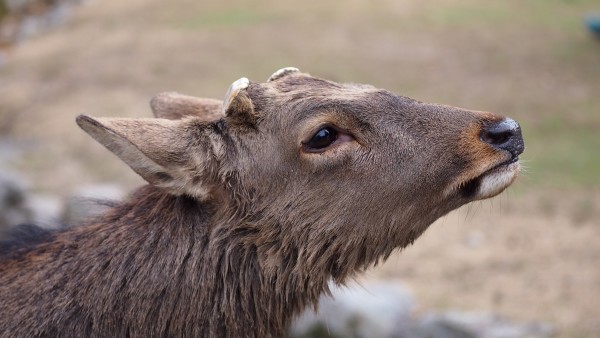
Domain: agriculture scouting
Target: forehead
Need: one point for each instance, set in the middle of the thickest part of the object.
(300, 86)
(304, 96)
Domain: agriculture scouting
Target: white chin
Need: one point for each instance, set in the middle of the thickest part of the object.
(495, 181)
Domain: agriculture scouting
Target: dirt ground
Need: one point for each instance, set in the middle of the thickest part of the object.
(530, 254)
(508, 257)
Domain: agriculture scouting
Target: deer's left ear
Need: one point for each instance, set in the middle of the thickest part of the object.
(175, 106)
(180, 156)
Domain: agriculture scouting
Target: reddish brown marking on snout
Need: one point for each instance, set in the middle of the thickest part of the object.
(479, 155)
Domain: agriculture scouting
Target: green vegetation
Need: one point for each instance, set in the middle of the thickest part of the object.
(3, 9)
(561, 156)
(562, 14)
(227, 18)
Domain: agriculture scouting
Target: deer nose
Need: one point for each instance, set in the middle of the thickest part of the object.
(504, 135)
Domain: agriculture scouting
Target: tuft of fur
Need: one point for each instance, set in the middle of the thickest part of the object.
(152, 266)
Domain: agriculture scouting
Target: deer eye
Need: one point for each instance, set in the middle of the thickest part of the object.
(322, 139)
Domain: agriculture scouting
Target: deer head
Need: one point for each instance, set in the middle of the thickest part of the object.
(325, 174)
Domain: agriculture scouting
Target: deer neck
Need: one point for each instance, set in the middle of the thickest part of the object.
(217, 264)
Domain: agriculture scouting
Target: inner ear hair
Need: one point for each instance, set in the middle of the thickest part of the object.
(175, 155)
(175, 106)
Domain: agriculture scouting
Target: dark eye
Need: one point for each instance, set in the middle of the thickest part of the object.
(321, 139)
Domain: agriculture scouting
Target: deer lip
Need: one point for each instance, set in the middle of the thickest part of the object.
(492, 181)
(503, 164)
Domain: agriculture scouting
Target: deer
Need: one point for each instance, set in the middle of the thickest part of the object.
(253, 206)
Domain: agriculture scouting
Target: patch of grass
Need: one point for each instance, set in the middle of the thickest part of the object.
(469, 14)
(562, 156)
(579, 48)
(559, 15)
(3, 9)
(228, 18)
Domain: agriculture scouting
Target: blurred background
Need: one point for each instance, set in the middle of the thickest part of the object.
(529, 255)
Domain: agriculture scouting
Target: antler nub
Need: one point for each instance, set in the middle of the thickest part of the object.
(283, 72)
(233, 91)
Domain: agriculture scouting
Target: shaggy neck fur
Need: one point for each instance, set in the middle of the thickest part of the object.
(159, 265)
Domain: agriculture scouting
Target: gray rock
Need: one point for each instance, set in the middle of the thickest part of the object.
(9, 150)
(28, 27)
(454, 324)
(13, 208)
(373, 310)
(18, 205)
(45, 210)
(475, 239)
(55, 14)
(58, 15)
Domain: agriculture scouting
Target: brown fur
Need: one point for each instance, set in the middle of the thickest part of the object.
(241, 228)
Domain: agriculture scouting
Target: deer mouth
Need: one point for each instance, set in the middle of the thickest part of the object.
(492, 181)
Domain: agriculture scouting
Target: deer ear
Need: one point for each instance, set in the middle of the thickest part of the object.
(237, 105)
(175, 106)
(178, 156)
(283, 72)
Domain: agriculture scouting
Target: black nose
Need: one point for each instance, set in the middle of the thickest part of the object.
(504, 135)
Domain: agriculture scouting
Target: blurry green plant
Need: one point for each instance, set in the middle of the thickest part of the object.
(549, 13)
(3, 9)
(561, 157)
(227, 18)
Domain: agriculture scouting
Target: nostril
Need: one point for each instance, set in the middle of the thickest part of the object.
(496, 138)
(504, 135)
